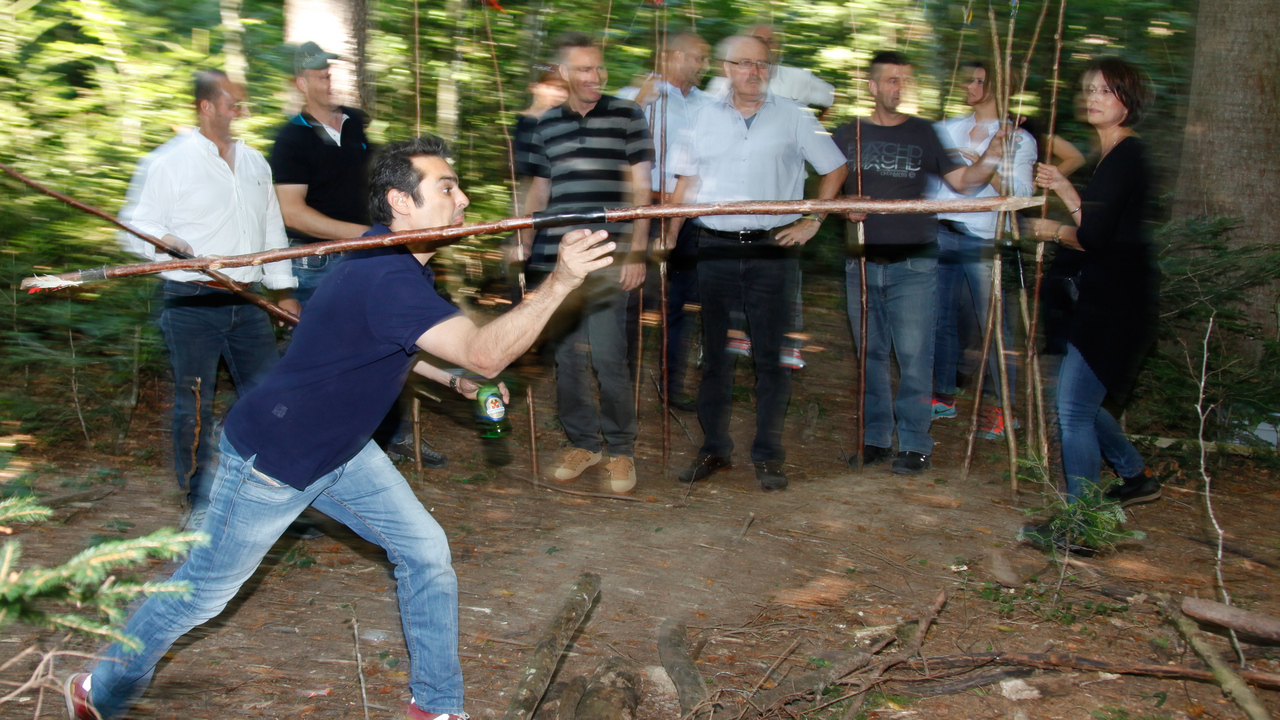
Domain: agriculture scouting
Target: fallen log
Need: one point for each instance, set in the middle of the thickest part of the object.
(561, 701)
(1058, 661)
(1252, 624)
(613, 691)
(1233, 686)
(673, 652)
(435, 238)
(954, 685)
(546, 656)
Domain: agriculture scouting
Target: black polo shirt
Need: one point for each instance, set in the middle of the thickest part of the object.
(588, 159)
(345, 368)
(336, 175)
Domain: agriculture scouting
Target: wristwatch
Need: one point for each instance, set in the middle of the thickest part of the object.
(813, 216)
(453, 382)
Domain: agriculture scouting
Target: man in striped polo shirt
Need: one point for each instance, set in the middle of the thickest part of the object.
(593, 151)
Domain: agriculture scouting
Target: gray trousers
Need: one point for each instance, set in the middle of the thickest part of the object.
(589, 333)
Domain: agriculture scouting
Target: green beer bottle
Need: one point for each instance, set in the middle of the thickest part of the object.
(491, 412)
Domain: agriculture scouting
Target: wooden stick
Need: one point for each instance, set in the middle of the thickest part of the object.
(1233, 686)
(1006, 406)
(862, 317)
(364, 693)
(982, 369)
(1253, 624)
(635, 385)
(225, 281)
(662, 272)
(613, 692)
(1055, 661)
(546, 656)
(417, 436)
(673, 652)
(434, 238)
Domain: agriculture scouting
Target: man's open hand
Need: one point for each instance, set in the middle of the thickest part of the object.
(580, 255)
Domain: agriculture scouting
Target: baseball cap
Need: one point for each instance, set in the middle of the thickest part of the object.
(309, 56)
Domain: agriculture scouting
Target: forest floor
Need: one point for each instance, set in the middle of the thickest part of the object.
(836, 553)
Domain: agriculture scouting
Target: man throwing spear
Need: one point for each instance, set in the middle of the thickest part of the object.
(302, 437)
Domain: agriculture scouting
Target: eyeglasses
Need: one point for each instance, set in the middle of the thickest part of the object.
(761, 65)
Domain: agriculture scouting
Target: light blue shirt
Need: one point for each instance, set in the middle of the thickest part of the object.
(953, 134)
(675, 111)
(734, 163)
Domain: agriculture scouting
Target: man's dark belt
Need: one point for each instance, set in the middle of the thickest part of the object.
(742, 236)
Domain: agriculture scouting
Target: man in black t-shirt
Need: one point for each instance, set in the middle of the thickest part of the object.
(320, 164)
(898, 153)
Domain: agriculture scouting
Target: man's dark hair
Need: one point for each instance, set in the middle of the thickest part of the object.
(572, 40)
(887, 57)
(208, 85)
(1127, 83)
(393, 168)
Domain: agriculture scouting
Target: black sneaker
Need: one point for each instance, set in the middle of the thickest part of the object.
(403, 450)
(1142, 488)
(872, 455)
(911, 463)
(1044, 538)
(703, 466)
(770, 475)
(689, 405)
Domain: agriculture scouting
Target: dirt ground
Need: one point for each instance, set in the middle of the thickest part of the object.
(836, 553)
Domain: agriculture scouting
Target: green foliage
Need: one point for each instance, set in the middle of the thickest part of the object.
(1047, 602)
(1091, 520)
(298, 557)
(87, 582)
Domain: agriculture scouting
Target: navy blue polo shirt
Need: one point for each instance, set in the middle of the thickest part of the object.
(345, 368)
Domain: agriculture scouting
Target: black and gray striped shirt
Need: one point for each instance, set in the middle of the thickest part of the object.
(588, 159)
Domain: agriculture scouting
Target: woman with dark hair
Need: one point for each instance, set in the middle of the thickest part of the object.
(1115, 317)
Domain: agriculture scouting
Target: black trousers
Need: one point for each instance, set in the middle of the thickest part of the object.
(756, 280)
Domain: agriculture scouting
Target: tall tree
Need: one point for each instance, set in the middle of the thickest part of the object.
(1231, 153)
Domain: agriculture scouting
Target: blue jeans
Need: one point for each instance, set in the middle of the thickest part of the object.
(310, 271)
(755, 281)
(247, 514)
(901, 301)
(201, 325)
(1089, 432)
(966, 259)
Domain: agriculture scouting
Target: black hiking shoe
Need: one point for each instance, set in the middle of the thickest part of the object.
(703, 466)
(403, 450)
(872, 455)
(770, 475)
(1142, 488)
(911, 463)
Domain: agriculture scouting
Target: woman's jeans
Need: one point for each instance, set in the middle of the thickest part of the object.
(1089, 432)
(248, 512)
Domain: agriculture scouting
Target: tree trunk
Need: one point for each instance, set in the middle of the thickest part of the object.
(232, 46)
(1231, 153)
(447, 86)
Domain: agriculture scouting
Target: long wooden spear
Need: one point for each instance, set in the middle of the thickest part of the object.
(515, 205)
(862, 315)
(432, 239)
(225, 281)
(662, 265)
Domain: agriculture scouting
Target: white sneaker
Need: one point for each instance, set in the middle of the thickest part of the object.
(574, 463)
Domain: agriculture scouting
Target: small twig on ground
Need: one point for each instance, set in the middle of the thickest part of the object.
(746, 523)
(1233, 686)
(781, 658)
(355, 633)
(75, 391)
(583, 493)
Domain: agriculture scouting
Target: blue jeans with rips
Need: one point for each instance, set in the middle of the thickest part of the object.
(901, 302)
(248, 511)
(202, 324)
(1089, 432)
(966, 259)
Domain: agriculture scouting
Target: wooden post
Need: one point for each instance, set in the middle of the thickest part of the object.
(417, 437)
(862, 316)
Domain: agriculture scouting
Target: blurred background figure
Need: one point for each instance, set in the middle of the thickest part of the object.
(750, 145)
(210, 194)
(670, 101)
(966, 248)
(792, 83)
(593, 151)
(1116, 312)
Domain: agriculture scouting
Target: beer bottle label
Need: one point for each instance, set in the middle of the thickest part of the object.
(493, 407)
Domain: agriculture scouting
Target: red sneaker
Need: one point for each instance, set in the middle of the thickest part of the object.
(414, 713)
(79, 707)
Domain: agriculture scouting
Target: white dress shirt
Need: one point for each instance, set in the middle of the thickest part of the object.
(954, 134)
(190, 192)
(787, 82)
(735, 163)
(678, 110)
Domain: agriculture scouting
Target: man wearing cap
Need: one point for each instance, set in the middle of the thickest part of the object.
(320, 162)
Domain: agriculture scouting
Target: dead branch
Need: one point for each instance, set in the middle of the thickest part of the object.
(965, 682)
(436, 238)
(546, 656)
(613, 692)
(561, 701)
(1252, 624)
(674, 654)
(1232, 685)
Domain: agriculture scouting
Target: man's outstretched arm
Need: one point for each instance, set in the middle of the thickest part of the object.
(488, 350)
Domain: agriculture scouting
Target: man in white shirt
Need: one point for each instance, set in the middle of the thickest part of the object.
(210, 194)
(966, 247)
(670, 101)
